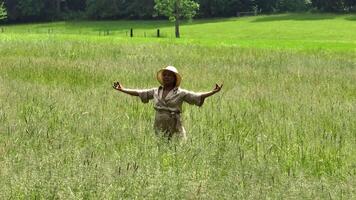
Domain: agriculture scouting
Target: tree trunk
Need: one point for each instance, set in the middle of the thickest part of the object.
(177, 27)
(177, 14)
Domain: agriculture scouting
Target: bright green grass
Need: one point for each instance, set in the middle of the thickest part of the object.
(283, 127)
(298, 31)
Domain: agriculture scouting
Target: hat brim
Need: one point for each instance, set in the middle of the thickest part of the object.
(160, 77)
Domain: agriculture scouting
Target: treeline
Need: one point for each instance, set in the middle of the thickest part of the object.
(50, 10)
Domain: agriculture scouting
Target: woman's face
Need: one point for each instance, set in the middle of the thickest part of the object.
(169, 78)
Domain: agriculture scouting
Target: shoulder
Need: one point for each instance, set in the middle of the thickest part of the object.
(182, 91)
(155, 89)
(179, 90)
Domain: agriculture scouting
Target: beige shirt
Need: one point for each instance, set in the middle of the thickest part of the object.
(168, 109)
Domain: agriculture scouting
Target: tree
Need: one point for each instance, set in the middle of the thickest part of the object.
(104, 9)
(32, 10)
(329, 5)
(224, 8)
(350, 5)
(3, 14)
(76, 5)
(139, 8)
(266, 6)
(176, 10)
(292, 5)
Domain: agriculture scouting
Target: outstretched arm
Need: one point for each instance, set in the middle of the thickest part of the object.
(208, 94)
(198, 98)
(117, 86)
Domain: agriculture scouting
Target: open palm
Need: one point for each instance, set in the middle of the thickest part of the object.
(117, 86)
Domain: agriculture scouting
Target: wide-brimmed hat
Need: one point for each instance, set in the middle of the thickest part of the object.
(171, 69)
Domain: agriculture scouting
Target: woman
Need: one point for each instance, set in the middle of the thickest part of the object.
(168, 99)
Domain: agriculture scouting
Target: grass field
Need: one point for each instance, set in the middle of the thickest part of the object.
(288, 31)
(283, 127)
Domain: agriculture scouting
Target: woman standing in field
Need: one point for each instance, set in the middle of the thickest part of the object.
(168, 99)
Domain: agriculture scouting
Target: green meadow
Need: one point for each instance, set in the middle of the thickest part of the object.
(283, 126)
(288, 31)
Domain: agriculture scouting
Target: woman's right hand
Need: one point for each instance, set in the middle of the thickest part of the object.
(117, 86)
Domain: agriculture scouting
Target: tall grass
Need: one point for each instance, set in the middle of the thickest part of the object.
(283, 127)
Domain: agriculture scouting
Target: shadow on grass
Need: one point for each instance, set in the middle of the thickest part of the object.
(121, 25)
(124, 26)
(351, 18)
(147, 27)
(295, 17)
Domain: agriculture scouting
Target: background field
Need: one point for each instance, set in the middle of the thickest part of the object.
(283, 126)
(287, 31)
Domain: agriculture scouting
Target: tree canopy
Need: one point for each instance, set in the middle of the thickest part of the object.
(176, 10)
(49, 10)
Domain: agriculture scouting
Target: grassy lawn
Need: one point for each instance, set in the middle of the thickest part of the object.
(283, 127)
(297, 31)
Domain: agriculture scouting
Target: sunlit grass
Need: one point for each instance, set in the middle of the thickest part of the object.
(298, 31)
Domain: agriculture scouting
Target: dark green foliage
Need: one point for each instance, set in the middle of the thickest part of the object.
(350, 5)
(49, 10)
(16, 9)
(114, 9)
(329, 5)
(76, 5)
(266, 6)
(292, 5)
(104, 9)
(30, 10)
(224, 8)
(139, 9)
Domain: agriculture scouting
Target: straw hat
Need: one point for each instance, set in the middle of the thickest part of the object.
(171, 69)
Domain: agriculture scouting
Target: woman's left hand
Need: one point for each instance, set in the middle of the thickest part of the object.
(217, 87)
